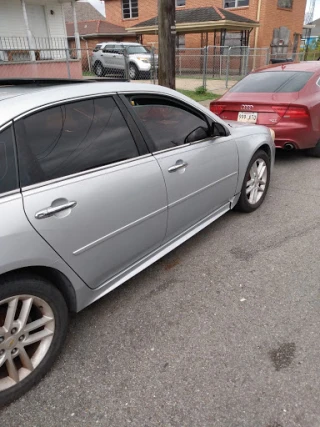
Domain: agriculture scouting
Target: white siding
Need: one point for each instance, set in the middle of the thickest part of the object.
(56, 24)
(52, 20)
(11, 21)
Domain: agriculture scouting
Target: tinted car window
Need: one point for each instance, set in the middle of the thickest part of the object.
(273, 81)
(97, 48)
(167, 123)
(136, 49)
(72, 138)
(8, 170)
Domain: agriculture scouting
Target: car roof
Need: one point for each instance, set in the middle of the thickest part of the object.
(20, 99)
(311, 66)
(122, 43)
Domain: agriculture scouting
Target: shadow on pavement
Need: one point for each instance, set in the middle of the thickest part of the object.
(283, 156)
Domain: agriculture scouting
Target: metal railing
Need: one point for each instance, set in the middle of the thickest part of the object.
(33, 43)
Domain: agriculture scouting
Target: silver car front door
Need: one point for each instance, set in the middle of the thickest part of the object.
(200, 171)
(106, 56)
(200, 178)
(118, 58)
(87, 191)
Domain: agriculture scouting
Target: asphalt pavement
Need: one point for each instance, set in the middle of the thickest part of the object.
(222, 332)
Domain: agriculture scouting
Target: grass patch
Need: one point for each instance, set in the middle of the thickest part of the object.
(197, 95)
(88, 74)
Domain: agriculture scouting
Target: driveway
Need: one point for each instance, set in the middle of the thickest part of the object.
(223, 332)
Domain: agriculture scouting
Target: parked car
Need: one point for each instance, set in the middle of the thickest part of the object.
(286, 98)
(98, 181)
(108, 58)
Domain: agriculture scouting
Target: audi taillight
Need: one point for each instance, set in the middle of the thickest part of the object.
(216, 108)
(291, 112)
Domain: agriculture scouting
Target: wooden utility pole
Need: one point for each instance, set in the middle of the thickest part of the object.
(167, 43)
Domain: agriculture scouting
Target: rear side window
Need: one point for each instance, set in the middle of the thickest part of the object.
(97, 48)
(8, 169)
(72, 138)
(273, 82)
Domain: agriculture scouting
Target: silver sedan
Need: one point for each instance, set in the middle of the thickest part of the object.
(97, 182)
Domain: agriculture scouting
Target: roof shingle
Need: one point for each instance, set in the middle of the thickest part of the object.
(95, 27)
(84, 11)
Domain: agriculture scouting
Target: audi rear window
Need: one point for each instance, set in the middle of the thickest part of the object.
(273, 82)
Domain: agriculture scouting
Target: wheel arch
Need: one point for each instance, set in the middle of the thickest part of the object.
(266, 148)
(54, 276)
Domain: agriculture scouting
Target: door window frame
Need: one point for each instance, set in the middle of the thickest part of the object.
(15, 153)
(146, 135)
(138, 140)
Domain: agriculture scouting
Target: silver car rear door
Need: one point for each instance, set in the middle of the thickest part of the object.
(90, 188)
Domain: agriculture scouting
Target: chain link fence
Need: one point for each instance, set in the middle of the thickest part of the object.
(135, 62)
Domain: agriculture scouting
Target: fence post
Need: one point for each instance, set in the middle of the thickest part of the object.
(153, 67)
(228, 67)
(205, 62)
(68, 63)
(126, 64)
(268, 56)
(247, 60)
(89, 60)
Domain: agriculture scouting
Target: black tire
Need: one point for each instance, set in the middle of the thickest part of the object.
(243, 204)
(98, 69)
(133, 72)
(315, 151)
(38, 288)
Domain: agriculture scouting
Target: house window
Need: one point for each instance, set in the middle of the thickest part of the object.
(285, 4)
(130, 9)
(180, 3)
(235, 3)
(181, 41)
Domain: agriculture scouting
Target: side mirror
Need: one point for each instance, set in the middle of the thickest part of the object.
(217, 129)
(196, 135)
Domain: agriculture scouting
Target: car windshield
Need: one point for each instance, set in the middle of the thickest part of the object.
(136, 49)
(273, 81)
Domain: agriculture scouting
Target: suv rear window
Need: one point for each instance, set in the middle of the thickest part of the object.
(273, 81)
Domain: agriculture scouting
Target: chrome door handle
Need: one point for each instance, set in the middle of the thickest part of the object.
(177, 167)
(45, 213)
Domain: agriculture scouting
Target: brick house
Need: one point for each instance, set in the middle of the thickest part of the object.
(270, 14)
(93, 27)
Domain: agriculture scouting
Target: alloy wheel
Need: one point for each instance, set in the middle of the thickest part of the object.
(257, 181)
(132, 72)
(27, 327)
(99, 70)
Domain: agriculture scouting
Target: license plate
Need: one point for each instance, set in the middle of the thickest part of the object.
(248, 117)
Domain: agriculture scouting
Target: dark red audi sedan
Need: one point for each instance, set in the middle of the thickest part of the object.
(285, 98)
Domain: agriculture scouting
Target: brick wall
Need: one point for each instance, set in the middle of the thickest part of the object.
(273, 17)
(270, 17)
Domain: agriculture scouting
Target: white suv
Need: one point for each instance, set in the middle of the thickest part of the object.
(109, 58)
